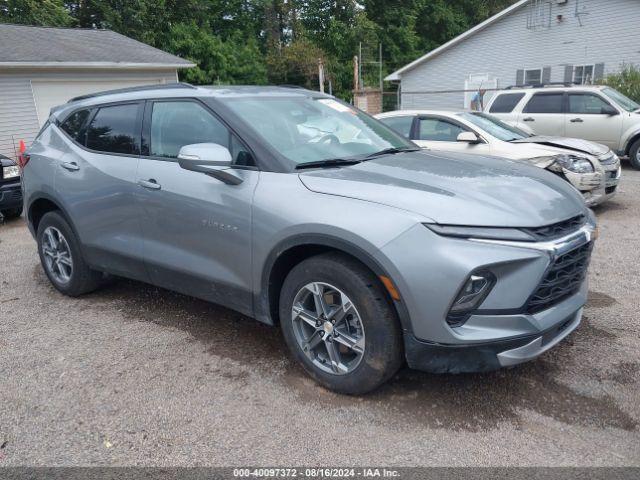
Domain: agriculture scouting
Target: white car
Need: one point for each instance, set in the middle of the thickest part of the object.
(596, 113)
(590, 167)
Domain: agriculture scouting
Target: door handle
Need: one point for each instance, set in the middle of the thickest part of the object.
(151, 184)
(576, 120)
(529, 119)
(71, 166)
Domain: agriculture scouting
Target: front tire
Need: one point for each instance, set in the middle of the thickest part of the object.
(62, 259)
(340, 325)
(634, 155)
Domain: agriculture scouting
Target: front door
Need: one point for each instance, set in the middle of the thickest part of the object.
(585, 120)
(197, 229)
(544, 114)
(437, 133)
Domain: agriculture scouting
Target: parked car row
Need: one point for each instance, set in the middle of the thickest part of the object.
(590, 167)
(297, 209)
(595, 113)
(10, 191)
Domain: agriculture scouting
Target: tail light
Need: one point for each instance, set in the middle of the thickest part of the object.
(23, 158)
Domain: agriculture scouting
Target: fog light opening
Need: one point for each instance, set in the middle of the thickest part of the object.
(470, 296)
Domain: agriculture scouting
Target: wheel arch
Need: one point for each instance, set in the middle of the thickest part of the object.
(41, 205)
(290, 252)
(632, 140)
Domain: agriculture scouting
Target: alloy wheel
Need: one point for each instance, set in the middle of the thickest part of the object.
(328, 328)
(57, 255)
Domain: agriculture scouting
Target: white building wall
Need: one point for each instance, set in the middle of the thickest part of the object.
(609, 35)
(18, 112)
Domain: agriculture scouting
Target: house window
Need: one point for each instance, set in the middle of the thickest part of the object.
(532, 77)
(583, 74)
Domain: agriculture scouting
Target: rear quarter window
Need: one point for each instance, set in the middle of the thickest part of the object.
(506, 102)
(74, 125)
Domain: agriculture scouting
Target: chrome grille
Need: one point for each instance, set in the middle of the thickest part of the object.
(562, 280)
(556, 230)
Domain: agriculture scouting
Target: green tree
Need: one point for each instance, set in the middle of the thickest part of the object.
(50, 13)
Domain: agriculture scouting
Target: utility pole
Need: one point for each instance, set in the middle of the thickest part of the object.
(321, 74)
(380, 65)
(361, 81)
(356, 78)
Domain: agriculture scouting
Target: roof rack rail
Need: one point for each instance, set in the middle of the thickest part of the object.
(542, 85)
(141, 88)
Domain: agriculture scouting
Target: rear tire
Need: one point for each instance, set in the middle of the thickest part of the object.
(12, 212)
(62, 259)
(366, 340)
(634, 155)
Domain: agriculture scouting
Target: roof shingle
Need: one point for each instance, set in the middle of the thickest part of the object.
(32, 45)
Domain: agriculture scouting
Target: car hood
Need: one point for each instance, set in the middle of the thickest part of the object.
(575, 144)
(455, 189)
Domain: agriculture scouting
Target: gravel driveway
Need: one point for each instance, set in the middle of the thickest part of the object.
(135, 375)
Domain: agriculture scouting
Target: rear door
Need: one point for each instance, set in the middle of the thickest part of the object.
(544, 114)
(585, 120)
(439, 133)
(96, 180)
(197, 229)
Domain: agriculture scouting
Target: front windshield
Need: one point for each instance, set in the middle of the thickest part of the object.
(494, 127)
(622, 100)
(306, 129)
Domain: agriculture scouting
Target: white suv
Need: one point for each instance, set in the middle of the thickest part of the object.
(596, 113)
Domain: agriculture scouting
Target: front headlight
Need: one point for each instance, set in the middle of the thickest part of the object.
(10, 172)
(574, 163)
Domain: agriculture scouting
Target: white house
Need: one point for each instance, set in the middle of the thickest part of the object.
(533, 41)
(44, 67)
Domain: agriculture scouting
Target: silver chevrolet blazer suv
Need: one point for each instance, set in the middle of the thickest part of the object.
(296, 209)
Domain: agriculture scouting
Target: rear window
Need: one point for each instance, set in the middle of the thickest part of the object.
(545, 103)
(506, 102)
(115, 129)
(402, 125)
(74, 125)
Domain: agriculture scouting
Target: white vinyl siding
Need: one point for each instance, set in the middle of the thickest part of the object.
(608, 36)
(27, 96)
(18, 117)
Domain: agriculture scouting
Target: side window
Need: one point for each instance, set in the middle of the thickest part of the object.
(586, 104)
(176, 124)
(74, 125)
(402, 125)
(545, 103)
(506, 102)
(438, 130)
(115, 129)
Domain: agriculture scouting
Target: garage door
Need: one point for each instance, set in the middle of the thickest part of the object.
(49, 93)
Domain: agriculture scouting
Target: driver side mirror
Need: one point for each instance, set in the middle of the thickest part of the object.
(208, 158)
(609, 110)
(468, 137)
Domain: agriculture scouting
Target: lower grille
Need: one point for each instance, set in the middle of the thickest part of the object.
(562, 280)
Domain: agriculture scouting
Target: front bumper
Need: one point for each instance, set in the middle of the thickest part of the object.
(504, 324)
(607, 188)
(485, 357)
(10, 195)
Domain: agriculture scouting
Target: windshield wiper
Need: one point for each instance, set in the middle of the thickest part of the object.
(391, 151)
(331, 162)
